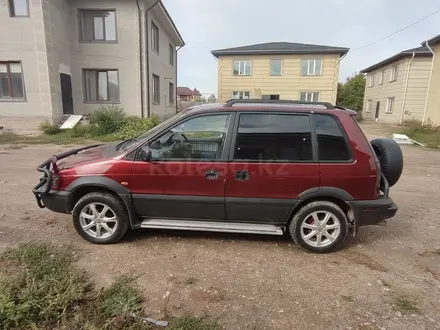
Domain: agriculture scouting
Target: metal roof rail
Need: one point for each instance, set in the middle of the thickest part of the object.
(231, 102)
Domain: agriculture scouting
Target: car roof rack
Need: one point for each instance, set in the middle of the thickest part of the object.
(231, 102)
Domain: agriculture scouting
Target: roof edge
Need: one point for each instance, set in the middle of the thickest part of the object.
(433, 41)
(393, 59)
(167, 14)
(217, 53)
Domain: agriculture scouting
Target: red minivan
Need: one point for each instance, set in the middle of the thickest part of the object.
(247, 166)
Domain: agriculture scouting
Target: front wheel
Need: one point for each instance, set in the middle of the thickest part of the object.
(319, 227)
(100, 218)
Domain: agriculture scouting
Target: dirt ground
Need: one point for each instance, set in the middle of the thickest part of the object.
(389, 280)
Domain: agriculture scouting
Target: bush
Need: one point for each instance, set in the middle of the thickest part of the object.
(107, 119)
(108, 123)
(48, 128)
(155, 120)
(135, 126)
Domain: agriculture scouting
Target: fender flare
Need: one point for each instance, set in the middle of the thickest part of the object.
(325, 192)
(104, 182)
(97, 181)
(320, 192)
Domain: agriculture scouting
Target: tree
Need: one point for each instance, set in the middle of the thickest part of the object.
(212, 99)
(351, 92)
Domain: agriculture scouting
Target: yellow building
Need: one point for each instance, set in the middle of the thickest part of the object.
(433, 102)
(279, 70)
(396, 88)
(405, 86)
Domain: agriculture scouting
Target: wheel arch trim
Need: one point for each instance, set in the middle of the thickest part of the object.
(320, 192)
(106, 183)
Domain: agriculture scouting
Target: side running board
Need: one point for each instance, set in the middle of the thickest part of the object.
(225, 227)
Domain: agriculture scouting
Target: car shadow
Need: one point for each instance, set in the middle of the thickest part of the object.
(142, 234)
(368, 235)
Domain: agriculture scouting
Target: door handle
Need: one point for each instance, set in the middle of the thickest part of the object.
(211, 174)
(242, 175)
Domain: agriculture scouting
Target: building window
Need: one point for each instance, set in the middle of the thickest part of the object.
(11, 81)
(381, 77)
(390, 105)
(273, 137)
(276, 67)
(101, 85)
(311, 67)
(98, 25)
(18, 8)
(332, 145)
(309, 96)
(171, 92)
(393, 73)
(171, 54)
(371, 80)
(369, 102)
(241, 95)
(154, 37)
(270, 96)
(242, 68)
(156, 89)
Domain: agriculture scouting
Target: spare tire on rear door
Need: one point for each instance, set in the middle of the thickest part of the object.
(390, 157)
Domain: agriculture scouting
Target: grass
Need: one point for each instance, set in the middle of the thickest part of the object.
(9, 137)
(428, 134)
(41, 288)
(406, 305)
(62, 138)
(194, 323)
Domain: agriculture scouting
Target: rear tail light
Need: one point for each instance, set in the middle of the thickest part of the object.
(55, 182)
(378, 176)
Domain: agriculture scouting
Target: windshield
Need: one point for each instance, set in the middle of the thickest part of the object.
(162, 124)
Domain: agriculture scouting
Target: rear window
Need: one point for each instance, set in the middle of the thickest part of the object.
(365, 137)
(274, 137)
(332, 144)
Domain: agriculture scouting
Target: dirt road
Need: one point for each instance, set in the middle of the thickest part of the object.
(390, 280)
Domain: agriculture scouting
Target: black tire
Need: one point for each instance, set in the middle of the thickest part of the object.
(115, 205)
(390, 157)
(304, 214)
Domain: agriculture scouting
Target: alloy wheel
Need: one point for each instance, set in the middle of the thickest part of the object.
(320, 229)
(98, 220)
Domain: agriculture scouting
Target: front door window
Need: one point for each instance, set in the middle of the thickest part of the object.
(200, 138)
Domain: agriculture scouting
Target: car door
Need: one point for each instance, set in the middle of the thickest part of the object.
(272, 161)
(185, 179)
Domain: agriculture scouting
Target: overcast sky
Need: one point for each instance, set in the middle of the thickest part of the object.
(214, 24)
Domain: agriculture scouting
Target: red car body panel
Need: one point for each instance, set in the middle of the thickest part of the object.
(276, 180)
(177, 178)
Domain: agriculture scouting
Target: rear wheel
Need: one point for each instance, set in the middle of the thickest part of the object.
(319, 226)
(100, 218)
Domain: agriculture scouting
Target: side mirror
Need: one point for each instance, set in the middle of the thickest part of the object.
(145, 154)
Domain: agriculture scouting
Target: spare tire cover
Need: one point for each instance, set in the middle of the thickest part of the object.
(390, 157)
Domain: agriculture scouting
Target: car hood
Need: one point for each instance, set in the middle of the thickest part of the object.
(82, 157)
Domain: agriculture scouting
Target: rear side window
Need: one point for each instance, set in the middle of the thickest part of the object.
(332, 144)
(273, 137)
